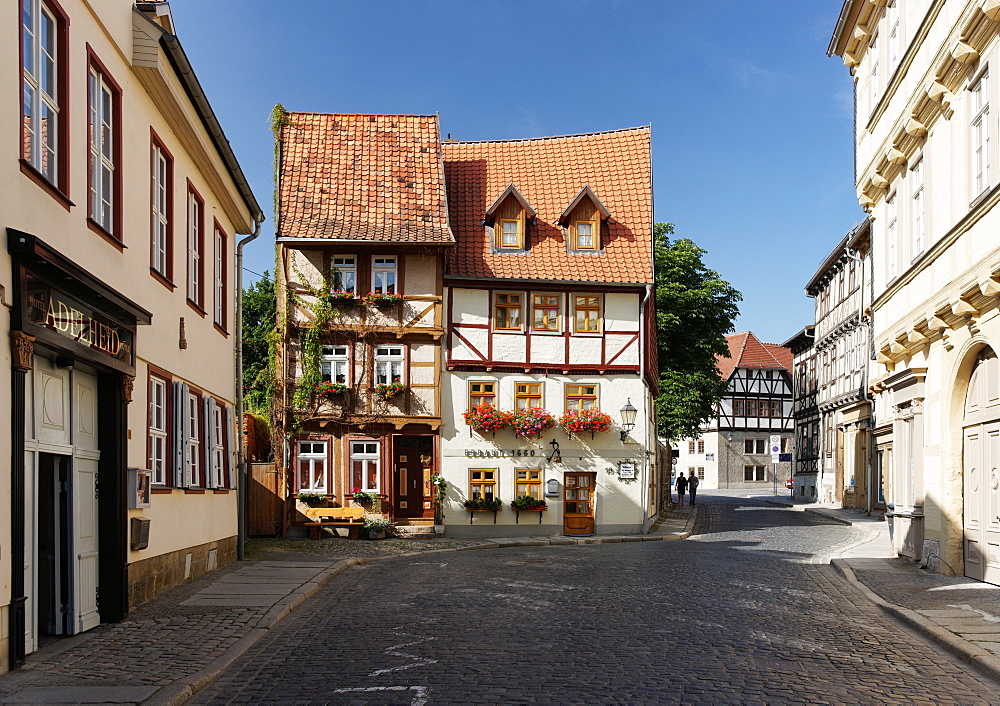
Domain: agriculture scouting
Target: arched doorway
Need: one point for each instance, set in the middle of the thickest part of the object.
(981, 469)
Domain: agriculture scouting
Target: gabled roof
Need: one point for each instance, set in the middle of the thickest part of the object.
(511, 190)
(375, 178)
(586, 191)
(549, 173)
(746, 351)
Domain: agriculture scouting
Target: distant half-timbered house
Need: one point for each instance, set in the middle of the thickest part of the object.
(805, 411)
(735, 449)
(549, 315)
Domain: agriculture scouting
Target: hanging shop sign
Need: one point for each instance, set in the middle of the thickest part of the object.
(57, 311)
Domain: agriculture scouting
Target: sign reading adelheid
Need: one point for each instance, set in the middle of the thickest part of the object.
(59, 312)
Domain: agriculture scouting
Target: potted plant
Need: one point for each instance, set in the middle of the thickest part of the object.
(440, 486)
(526, 502)
(486, 419)
(328, 388)
(387, 390)
(376, 527)
(310, 498)
(585, 420)
(364, 497)
(531, 421)
(383, 299)
(480, 504)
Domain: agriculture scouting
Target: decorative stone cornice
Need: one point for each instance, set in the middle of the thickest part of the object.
(22, 346)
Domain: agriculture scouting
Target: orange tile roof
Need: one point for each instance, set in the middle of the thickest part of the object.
(362, 177)
(550, 172)
(746, 351)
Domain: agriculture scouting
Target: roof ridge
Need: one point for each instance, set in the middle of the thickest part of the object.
(365, 115)
(549, 137)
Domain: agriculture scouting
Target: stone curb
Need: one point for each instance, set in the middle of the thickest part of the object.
(183, 690)
(985, 662)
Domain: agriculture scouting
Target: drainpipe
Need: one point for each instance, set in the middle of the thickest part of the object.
(241, 461)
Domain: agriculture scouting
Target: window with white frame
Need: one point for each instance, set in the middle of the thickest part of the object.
(344, 269)
(980, 134)
(42, 64)
(195, 243)
(388, 364)
(890, 236)
(311, 467)
(220, 276)
(218, 450)
(102, 157)
(160, 217)
(365, 465)
(194, 439)
(334, 364)
(158, 431)
(384, 275)
(917, 208)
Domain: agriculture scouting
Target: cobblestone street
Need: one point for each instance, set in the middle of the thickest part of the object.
(741, 612)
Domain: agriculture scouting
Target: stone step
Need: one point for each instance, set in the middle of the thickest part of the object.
(415, 530)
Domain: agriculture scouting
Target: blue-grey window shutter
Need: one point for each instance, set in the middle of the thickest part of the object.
(231, 456)
(208, 439)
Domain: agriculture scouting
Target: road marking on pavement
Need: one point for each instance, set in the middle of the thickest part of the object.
(396, 651)
(419, 696)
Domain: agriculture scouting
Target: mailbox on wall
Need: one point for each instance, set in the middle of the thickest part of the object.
(552, 488)
(140, 533)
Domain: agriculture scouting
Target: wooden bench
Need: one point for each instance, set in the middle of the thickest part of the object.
(353, 518)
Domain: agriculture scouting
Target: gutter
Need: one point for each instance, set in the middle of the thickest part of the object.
(241, 460)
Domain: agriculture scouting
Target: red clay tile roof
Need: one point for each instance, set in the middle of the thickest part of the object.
(746, 351)
(550, 172)
(362, 177)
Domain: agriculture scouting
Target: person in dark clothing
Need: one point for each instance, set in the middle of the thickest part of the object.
(692, 485)
(682, 484)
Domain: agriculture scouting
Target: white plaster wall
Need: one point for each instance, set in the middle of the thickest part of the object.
(472, 306)
(548, 349)
(621, 312)
(585, 350)
(508, 348)
(420, 275)
(625, 345)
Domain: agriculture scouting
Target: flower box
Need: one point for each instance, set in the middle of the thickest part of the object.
(330, 389)
(339, 296)
(585, 420)
(484, 504)
(486, 419)
(526, 503)
(386, 390)
(310, 497)
(363, 497)
(531, 421)
(383, 299)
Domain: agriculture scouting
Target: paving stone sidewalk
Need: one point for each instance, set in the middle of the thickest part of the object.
(959, 614)
(172, 647)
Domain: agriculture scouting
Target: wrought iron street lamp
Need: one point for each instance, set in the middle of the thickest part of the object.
(628, 418)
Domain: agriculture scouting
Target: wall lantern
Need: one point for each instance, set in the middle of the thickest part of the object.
(628, 418)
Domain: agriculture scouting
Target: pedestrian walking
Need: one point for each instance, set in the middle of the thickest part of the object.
(692, 486)
(682, 484)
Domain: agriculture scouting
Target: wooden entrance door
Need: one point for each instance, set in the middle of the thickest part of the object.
(578, 503)
(981, 471)
(413, 466)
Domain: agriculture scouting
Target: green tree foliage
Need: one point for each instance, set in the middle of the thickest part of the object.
(695, 309)
(259, 320)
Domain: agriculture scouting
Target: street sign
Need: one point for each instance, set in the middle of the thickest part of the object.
(784, 458)
(775, 447)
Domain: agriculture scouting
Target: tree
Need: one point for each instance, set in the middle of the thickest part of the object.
(695, 309)
(259, 320)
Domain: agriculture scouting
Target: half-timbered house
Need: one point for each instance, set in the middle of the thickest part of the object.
(842, 344)
(805, 411)
(757, 406)
(549, 316)
(362, 227)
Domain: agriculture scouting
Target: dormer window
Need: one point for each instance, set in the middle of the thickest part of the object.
(509, 216)
(582, 219)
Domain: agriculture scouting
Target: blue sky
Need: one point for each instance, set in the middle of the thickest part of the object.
(751, 120)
